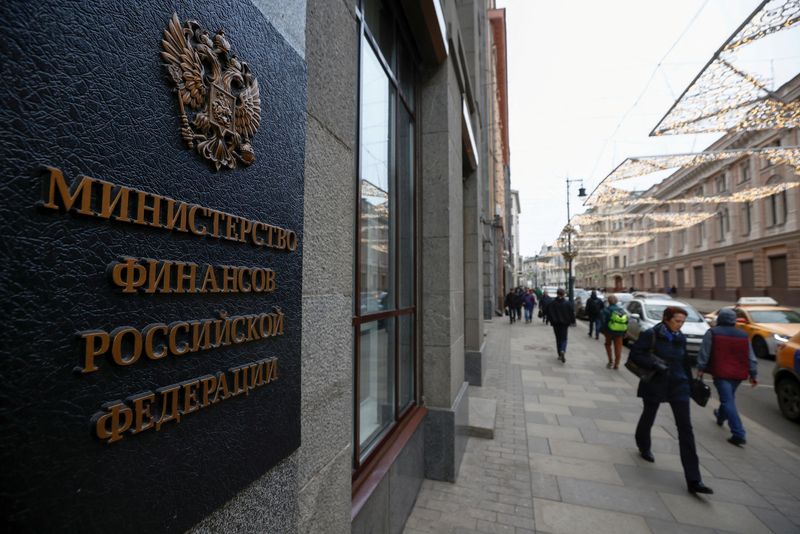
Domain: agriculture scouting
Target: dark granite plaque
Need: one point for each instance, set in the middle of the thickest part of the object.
(86, 92)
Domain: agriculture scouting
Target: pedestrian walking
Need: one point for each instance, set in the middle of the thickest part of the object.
(663, 348)
(543, 303)
(529, 301)
(594, 308)
(561, 314)
(615, 324)
(727, 355)
(519, 301)
(510, 306)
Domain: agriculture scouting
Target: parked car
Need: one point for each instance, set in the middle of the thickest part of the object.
(646, 312)
(787, 377)
(765, 322)
(649, 295)
(581, 296)
(622, 298)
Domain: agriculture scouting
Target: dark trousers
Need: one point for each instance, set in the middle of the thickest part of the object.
(560, 331)
(680, 410)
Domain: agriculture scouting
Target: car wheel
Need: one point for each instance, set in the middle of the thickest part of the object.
(760, 348)
(788, 391)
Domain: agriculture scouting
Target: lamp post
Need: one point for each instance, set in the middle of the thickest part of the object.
(570, 254)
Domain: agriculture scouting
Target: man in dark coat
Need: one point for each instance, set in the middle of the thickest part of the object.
(543, 303)
(510, 306)
(593, 308)
(663, 347)
(726, 354)
(561, 314)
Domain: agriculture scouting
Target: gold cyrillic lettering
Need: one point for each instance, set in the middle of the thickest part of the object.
(128, 275)
(121, 200)
(209, 277)
(244, 229)
(242, 276)
(229, 274)
(91, 350)
(174, 347)
(82, 191)
(215, 217)
(230, 227)
(142, 207)
(158, 274)
(112, 425)
(202, 230)
(209, 386)
(271, 370)
(176, 219)
(117, 336)
(281, 244)
(182, 277)
(149, 349)
(222, 387)
(168, 404)
(201, 335)
(237, 338)
(190, 396)
(142, 419)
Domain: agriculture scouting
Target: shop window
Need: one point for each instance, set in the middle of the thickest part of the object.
(385, 387)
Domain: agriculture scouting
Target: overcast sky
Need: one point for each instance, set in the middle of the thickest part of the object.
(585, 89)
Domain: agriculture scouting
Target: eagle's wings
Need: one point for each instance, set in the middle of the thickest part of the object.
(183, 64)
(248, 110)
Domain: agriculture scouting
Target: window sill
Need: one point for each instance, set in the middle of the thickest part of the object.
(378, 466)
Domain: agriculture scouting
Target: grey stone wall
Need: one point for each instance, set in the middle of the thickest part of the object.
(310, 490)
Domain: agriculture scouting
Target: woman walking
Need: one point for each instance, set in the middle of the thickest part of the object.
(663, 347)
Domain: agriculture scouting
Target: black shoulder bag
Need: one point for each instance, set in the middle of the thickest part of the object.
(647, 374)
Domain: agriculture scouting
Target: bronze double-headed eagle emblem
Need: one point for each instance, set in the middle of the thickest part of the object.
(218, 97)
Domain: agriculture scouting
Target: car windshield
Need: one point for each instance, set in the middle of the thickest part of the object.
(775, 316)
(656, 311)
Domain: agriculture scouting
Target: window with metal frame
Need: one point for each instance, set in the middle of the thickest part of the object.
(384, 325)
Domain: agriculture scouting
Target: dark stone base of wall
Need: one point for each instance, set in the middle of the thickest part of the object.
(475, 366)
(391, 503)
(446, 438)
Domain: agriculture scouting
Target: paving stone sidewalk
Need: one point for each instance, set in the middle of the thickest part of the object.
(563, 459)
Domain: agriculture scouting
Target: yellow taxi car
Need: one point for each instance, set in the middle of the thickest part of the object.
(787, 378)
(765, 322)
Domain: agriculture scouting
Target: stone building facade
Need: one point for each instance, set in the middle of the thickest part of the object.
(741, 249)
(401, 180)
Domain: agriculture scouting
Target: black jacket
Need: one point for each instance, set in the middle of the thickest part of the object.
(560, 311)
(593, 307)
(669, 385)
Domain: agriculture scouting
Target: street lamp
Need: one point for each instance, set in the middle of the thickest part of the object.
(570, 254)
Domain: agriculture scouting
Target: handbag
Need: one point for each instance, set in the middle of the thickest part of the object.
(699, 391)
(646, 374)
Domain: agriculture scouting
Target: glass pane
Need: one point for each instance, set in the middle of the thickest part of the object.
(381, 25)
(405, 355)
(405, 207)
(376, 386)
(376, 187)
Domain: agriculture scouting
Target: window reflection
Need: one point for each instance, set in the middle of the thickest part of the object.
(376, 387)
(377, 171)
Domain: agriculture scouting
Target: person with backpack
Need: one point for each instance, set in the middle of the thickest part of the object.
(726, 354)
(594, 308)
(615, 324)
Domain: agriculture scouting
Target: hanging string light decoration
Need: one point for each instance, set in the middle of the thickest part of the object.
(723, 97)
(639, 166)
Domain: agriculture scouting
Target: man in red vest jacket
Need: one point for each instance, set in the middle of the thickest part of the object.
(726, 354)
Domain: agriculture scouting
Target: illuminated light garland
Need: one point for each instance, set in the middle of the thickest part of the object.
(618, 197)
(643, 165)
(775, 16)
(723, 97)
(676, 220)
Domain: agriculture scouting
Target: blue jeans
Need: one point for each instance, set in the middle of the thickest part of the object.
(727, 405)
(528, 314)
(596, 324)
